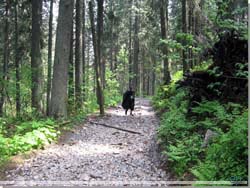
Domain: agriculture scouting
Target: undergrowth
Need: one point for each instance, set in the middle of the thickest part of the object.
(182, 136)
(18, 135)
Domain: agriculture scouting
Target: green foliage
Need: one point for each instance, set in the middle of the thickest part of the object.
(177, 76)
(185, 38)
(202, 66)
(122, 75)
(229, 24)
(215, 71)
(181, 136)
(184, 153)
(227, 157)
(170, 43)
(242, 70)
(111, 92)
(90, 101)
(29, 126)
(215, 86)
(182, 41)
(160, 100)
(210, 115)
(180, 147)
(26, 136)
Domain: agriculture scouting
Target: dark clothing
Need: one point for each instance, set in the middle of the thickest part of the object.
(128, 100)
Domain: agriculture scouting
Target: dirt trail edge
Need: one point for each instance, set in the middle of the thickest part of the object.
(95, 154)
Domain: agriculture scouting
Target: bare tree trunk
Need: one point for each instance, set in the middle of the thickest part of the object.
(88, 41)
(101, 60)
(143, 72)
(136, 53)
(189, 60)
(99, 91)
(83, 52)
(148, 81)
(78, 54)
(130, 63)
(71, 88)
(49, 56)
(112, 35)
(36, 59)
(59, 97)
(17, 65)
(184, 30)
(164, 33)
(202, 2)
(153, 79)
(5, 58)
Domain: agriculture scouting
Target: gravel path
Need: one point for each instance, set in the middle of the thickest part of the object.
(93, 153)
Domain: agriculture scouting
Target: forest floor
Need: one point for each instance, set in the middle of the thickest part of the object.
(99, 155)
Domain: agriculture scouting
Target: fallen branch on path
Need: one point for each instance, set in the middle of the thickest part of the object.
(118, 128)
(64, 123)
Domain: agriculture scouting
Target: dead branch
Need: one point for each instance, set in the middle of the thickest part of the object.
(65, 123)
(118, 128)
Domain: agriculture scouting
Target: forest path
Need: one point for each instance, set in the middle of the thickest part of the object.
(94, 153)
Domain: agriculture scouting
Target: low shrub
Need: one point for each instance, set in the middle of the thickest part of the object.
(27, 136)
(181, 136)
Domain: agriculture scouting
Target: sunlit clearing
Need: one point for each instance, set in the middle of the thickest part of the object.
(92, 149)
(139, 111)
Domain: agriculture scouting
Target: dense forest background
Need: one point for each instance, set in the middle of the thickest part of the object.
(61, 60)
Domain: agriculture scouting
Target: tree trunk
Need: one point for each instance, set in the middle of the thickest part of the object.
(130, 63)
(71, 93)
(143, 72)
(5, 58)
(99, 92)
(17, 65)
(49, 56)
(202, 3)
(36, 59)
(164, 33)
(136, 53)
(88, 42)
(153, 80)
(59, 97)
(148, 82)
(83, 52)
(112, 35)
(78, 54)
(184, 30)
(190, 8)
(100, 46)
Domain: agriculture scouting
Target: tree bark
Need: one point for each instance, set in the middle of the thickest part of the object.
(130, 63)
(153, 80)
(184, 30)
(36, 59)
(99, 92)
(5, 58)
(190, 13)
(87, 75)
(78, 54)
(59, 97)
(164, 33)
(49, 56)
(17, 65)
(112, 35)
(83, 52)
(71, 92)
(136, 77)
(100, 46)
